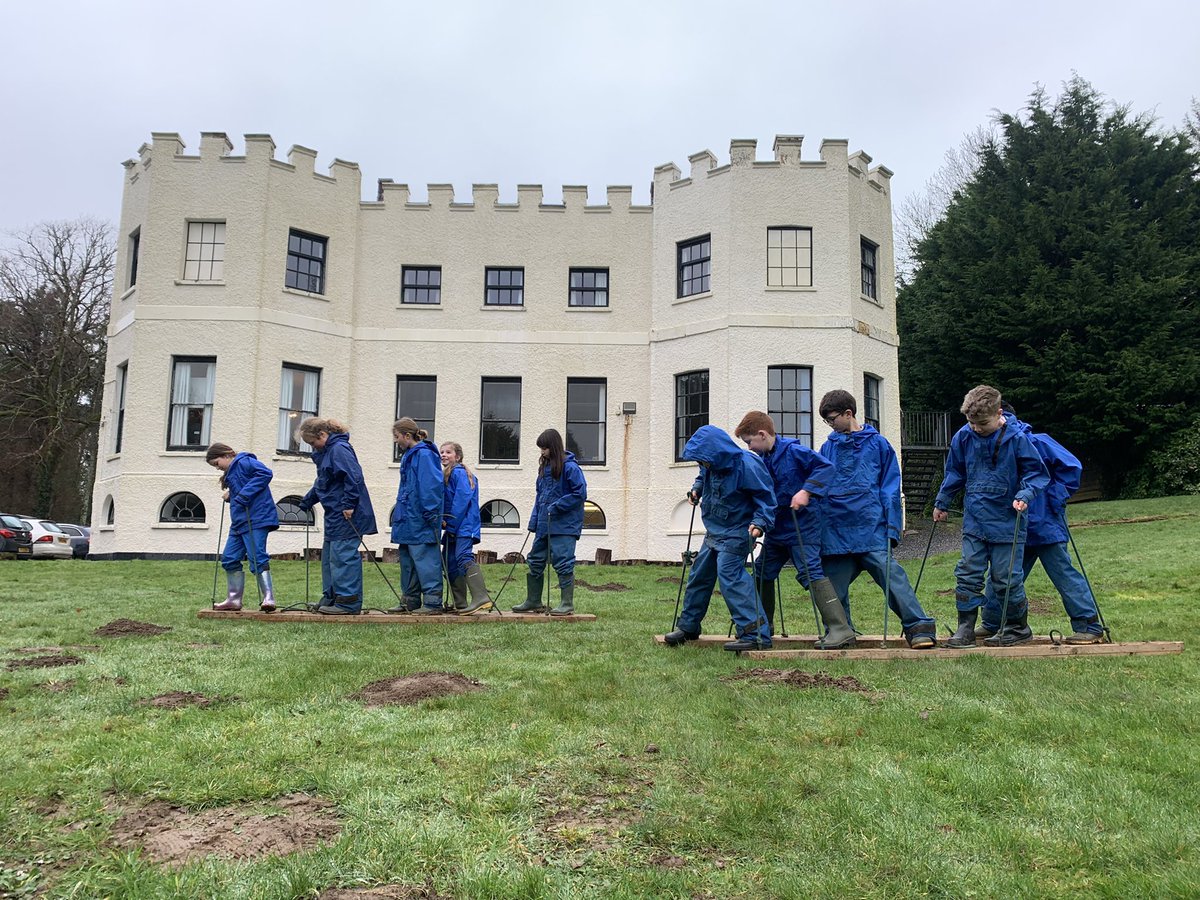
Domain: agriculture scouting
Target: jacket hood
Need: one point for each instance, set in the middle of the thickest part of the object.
(244, 454)
(855, 437)
(1016, 425)
(713, 446)
(568, 456)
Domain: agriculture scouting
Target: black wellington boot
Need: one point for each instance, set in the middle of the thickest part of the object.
(965, 636)
(1016, 631)
(768, 603)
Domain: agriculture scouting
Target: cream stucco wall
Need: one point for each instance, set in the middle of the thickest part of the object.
(361, 336)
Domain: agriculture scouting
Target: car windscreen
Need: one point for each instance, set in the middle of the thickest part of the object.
(50, 526)
(71, 530)
(14, 522)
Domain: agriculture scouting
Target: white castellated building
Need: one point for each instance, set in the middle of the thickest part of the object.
(251, 292)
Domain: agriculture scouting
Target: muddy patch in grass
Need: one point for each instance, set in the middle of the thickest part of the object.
(130, 628)
(3, 694)
(600, 588)
(384, 892)
(412, 689)
(44, 662)
(798, 679)
(178, 700)
(665, 580)
(175, 836)
(58, 687)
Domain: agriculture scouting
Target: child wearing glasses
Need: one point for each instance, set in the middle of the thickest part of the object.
(862, 513)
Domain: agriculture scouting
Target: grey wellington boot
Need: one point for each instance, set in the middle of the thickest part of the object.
(533, 595)
(566, 606)
(480, 599)
(237, 587)
(267, 587)
(458, 590)
(838, 633)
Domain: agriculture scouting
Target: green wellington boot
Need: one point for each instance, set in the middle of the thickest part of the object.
(533, 595)
(458, 590)
(838, 633)
(566, 606)
(480, 598)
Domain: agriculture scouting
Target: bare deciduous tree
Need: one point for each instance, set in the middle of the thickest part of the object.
(55, 290)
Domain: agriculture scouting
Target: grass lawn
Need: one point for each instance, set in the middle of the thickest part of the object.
(597, 764)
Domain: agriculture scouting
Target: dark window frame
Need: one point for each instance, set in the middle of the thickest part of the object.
(870, 268)
(295, 274)
(301, 412)
(485, 422)
(110, 510)
(509, 290)
(290, 513)
(591, 506)
(200, 261)
(870, 398)
(577, 292)
(417, 287)
(487, 521)
(178, 516)
(425, 422)
(121, 388)
(693, 274)
(777, 410)
(171, 405)
(794, 229)
(687, 386)
(602, 421)
(135, 249)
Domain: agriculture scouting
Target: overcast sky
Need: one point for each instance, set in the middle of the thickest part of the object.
(552, 93)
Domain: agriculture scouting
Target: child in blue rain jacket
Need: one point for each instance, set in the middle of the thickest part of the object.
(999, 469)
(417, 520)
(252, 515)
(461, 531)
(862, 515)
(556, 523)
(342, 493)
(737, 505)
(1047, 539)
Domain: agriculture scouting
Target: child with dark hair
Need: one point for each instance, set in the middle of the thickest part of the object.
(556, 522)
(999, 469)
(862, 514)
(342, 493)
(737, 504)
(798, 475)
(417, 520)
(1046, 540)
(461, 531)
(245, 484)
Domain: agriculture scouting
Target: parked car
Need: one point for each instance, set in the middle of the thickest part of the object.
(81, 538)
(16, 538)
(48, 539)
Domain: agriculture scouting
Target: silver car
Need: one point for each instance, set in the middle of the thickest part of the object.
(49, 540)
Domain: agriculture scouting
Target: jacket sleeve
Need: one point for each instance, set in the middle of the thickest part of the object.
(347, 470)
(256, 481)
(1066, 471)
(429, 489)
(574, 491)
(309, 500)
(460, 499)
(821, 472)
(956, 474)
(889, 488)
(756, 482)
(1030, 470)
(533, 513)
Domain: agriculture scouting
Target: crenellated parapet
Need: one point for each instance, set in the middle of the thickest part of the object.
(393, 195)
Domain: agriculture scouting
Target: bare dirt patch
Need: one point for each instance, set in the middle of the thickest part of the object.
(383, 892)
(58, 687)
(665, 580)
(1132, 520)
(412, 689)
(130, 628)
(44, 662)
(798, 679)
(3, 694)
(177, 700)
(175, 836)
(600, 588)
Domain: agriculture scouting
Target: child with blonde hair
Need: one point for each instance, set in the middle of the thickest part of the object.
(461, 526)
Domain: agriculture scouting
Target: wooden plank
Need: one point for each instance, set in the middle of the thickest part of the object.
(377, 618)
(806, 641)
(1128, 648)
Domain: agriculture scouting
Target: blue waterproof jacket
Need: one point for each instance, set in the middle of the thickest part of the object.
(994, 471)
(249, 495)
(1048, 512)
(735, 490)
(795, 467)
(861, 511)
(558, 505)
(340, 486)
(460, 504)
(417, 516)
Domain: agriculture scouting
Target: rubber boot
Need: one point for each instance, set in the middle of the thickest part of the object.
(267, 604)
(1016, 631)
(983, 630)
(767, 589)
(406, 605)
(458, 590)
(480, 599)
(533, 595)
(237, 587)
(343, 606)
(838, 633)
(965, 635)
(566, 605)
